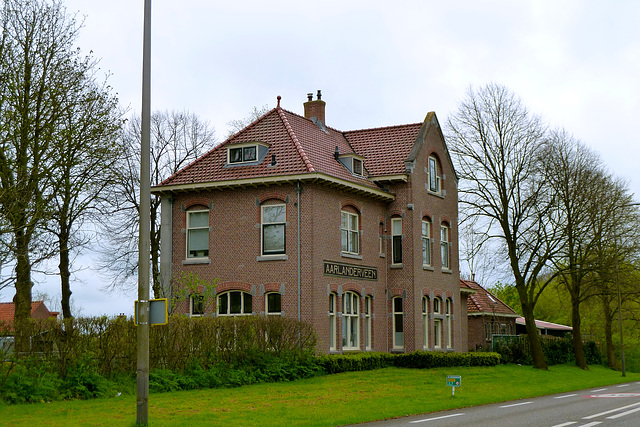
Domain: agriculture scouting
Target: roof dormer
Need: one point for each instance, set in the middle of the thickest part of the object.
(352, 161)
(246, 153)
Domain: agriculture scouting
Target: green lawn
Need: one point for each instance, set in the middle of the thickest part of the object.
(324, 401)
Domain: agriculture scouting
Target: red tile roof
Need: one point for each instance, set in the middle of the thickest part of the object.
(301, 148)
(7, 311)
(484, 302)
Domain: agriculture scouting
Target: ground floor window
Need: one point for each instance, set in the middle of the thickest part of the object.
(350, 324)
(437, 333)
(274, 304)
(196, 305)
(398, 323)
(332, 321)
(448, 307)
(367, 322)
(235, 303)
(425, 322)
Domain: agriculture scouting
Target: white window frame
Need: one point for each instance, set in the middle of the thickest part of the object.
(396, 240)
(194, 303)
(242, 149)
(434, 178)
(445, 248)
(448, 308)
(196, 229)
(425, 322)
(398, 323)
(368, 306)
(359, 169)
(349, 236)
(265, 225)
(350, 321)
(268, 296)
(243, 302)
(426, 243)
(437, 323)
(333, 297)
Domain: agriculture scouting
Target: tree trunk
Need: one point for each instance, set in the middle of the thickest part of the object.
(65, 275)
(534, 339)
(581, 361)
(22, 298)
(608, 317)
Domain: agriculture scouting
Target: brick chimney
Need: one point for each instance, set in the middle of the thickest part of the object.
(314, 109)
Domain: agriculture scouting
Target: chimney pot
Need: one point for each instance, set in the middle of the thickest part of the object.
(319, 95)
(315, 109)
(310, 97)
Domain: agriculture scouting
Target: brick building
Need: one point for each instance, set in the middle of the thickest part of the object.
(354, 232)
(488, 316)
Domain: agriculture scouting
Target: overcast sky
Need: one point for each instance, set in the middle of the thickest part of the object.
(575, 63)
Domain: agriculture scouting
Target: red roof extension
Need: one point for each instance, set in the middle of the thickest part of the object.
(484, 302)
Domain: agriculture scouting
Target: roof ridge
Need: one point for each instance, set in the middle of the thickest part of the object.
(383, 127)
(296, 142)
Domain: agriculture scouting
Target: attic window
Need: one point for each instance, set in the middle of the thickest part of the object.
(244, 154)
(357, 167)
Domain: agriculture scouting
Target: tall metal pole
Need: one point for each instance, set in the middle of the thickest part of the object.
(145, 219)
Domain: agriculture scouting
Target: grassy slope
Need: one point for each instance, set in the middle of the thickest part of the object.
(324, 401)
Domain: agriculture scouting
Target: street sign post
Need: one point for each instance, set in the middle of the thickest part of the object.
(454, 381)
(158, 312)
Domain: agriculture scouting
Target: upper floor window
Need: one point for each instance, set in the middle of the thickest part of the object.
(444, 247)
(350, 324)
(196, 305)
(353, 162)
(357, 167)
(273, 304)
(235, 303)
(396, 240)
(426, 243)
(197, 234)
(273, 226)
(349, 232)
(244, 154)
(434, 175)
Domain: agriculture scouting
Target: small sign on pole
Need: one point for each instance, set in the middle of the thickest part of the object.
(158, 312)
(454, 381)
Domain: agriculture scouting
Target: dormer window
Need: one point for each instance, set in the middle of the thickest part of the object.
(353, 162)
(243, 154)
(246, 153)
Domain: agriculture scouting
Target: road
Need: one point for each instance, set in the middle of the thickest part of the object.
(617, 405)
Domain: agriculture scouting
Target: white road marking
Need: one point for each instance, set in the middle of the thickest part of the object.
(613, 417)
(566, 395)
(565, 424)
(435, 418)
(600, 389)
(610, 411)
(595, 423)
(624, 385)
(515, 404)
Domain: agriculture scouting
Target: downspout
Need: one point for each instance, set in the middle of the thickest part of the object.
(298, 192)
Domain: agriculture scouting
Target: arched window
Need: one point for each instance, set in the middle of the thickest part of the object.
(425, 322)
(368, 305)
(350, 324)
(437, 323)
(445, 246)
(273, 302)
(350, 231)
(398, 323)
(448, 308)
(332, 321)
(434, 176)
(197, 234)
(426, 242)
(273, 224)
(235, 303)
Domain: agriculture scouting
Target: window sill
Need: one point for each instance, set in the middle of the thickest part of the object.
(396, 266)
(397, 350)
(282, 257)
(446, 271)
(427, 267)
(191, 261)
(433, 193)
(348, 255)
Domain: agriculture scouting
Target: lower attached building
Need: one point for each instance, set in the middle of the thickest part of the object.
(353, 232)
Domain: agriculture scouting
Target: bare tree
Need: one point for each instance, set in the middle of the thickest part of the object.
(237, 125)
(40, 71)
(574, 173)
(496, 144)
(83, 171)
(177, 139)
